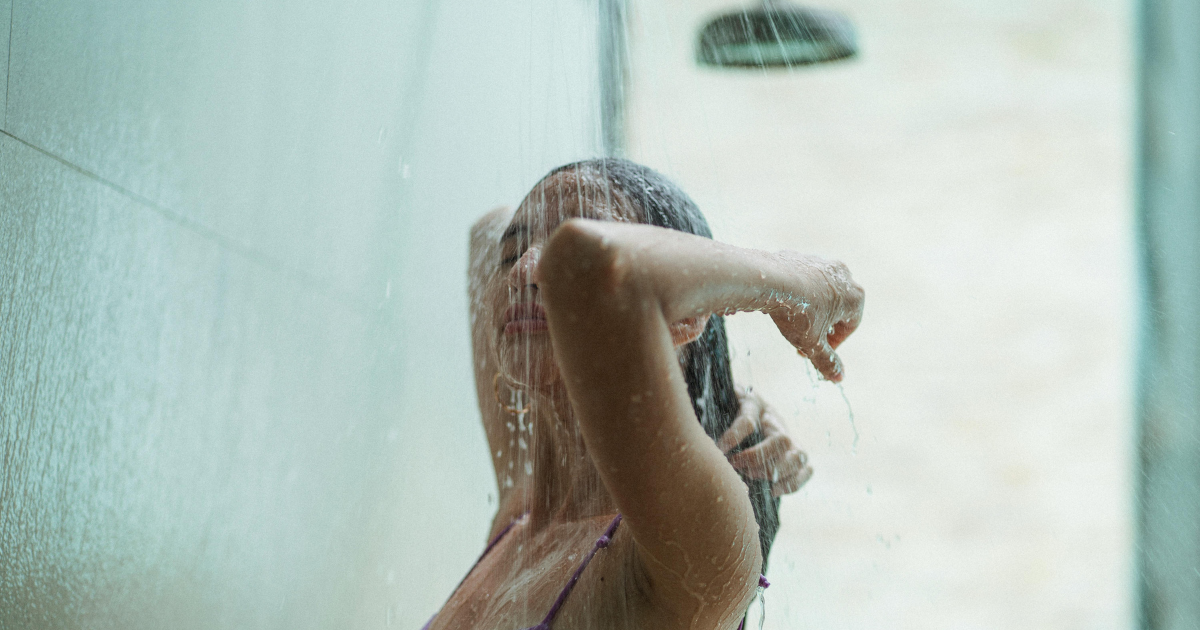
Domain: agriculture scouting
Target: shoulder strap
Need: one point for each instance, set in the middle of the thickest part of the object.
(601, 543)
(486, 551)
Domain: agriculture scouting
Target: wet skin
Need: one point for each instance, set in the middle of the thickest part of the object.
(598, 360)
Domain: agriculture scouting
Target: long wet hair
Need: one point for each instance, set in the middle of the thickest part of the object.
(705, 361)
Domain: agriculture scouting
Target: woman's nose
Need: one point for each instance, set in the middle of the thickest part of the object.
(523, 274)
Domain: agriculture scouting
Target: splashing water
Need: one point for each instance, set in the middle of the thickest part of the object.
(850, 413)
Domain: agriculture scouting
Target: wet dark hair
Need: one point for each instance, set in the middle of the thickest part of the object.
(705, 360)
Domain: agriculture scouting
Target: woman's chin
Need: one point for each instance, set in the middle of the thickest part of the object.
(528, 367)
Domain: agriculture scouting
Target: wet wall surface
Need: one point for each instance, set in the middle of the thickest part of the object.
(233, 342)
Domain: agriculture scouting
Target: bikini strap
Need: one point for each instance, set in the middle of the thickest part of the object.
(495, 541)
(601, 543)
(486, 550)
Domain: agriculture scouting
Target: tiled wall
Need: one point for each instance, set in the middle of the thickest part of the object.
(233, 343)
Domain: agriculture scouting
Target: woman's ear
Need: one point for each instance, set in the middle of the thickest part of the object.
(687, 330)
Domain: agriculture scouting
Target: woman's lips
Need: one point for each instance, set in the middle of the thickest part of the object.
(524, 318)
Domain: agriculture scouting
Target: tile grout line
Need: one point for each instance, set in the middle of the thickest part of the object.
(209, 234)
(12, 9)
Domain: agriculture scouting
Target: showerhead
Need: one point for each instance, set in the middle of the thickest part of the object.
(775, 35)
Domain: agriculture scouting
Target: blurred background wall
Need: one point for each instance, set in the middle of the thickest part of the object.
(233, 340)
(974, 168)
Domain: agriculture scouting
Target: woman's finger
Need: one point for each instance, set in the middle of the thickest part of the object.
(746, 423)
(826, 361)
(841, 330)
(791, 484)
(792, 462)
(768, 423)
(759, 461)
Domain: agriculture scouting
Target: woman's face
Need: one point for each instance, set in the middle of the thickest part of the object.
(518, 328)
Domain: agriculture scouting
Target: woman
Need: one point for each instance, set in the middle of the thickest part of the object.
(611, 376)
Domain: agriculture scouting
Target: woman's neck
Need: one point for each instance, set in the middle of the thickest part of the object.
(564, 484)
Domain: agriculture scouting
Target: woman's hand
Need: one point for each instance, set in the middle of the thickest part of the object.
(826, 307)
(776, 458)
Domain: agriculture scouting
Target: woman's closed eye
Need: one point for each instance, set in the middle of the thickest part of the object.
(508, 259)
(513, 244)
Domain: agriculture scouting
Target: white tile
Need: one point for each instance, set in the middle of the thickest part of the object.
(277, 126)
(181, 427)
(5, 26)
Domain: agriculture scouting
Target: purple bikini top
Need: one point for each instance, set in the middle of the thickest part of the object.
(601, 543)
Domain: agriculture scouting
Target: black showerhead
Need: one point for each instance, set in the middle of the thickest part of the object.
(776, 35)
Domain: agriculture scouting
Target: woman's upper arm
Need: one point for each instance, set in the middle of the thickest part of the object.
(689, 511)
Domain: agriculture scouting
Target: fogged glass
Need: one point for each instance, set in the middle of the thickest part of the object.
(235, 365)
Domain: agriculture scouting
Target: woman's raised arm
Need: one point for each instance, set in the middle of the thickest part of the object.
(618, 297)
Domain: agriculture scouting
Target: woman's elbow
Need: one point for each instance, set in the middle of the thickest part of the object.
(581, 258)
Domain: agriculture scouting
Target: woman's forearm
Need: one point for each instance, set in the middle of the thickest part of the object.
(815, 303)
(692, 276)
